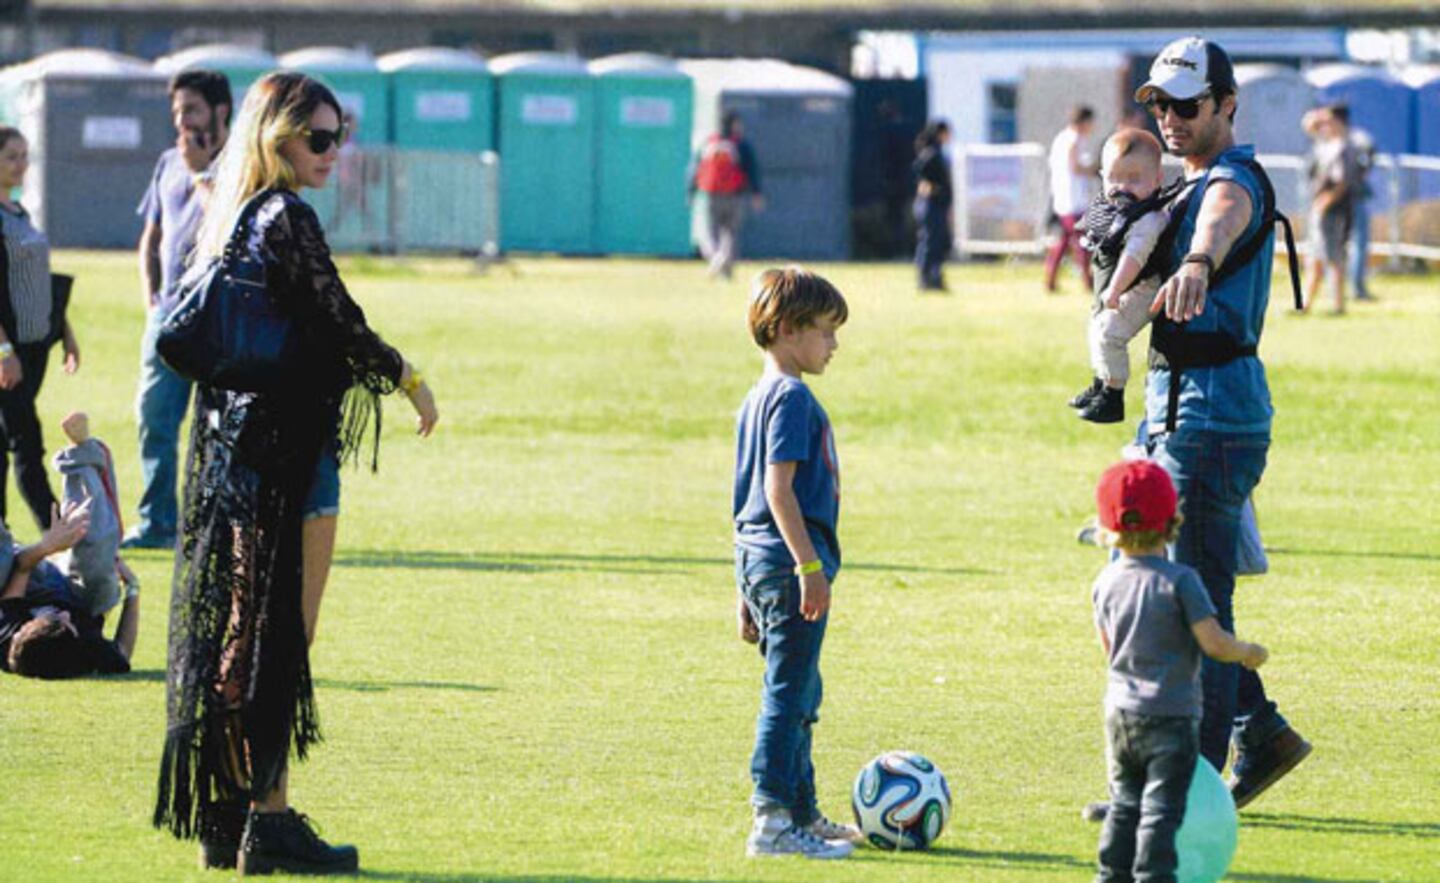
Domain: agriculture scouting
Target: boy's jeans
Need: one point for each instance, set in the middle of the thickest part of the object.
(160, 407)
(1151, 761)
(789, 705)
(1214, 473)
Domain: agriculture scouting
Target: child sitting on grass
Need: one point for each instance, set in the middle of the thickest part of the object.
(1155, 619)
(1122, 227)
(786, 501)
(88, 473)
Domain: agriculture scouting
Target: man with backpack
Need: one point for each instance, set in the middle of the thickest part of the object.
(726, 172)
(1207, 401)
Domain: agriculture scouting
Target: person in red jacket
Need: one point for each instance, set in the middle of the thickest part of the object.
(726, 172)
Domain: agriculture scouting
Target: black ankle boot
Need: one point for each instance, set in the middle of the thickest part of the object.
(1087, 395)
(1107, 407)
(287, 841)
(221, 827)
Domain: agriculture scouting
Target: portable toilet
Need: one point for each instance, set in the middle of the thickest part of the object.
(798, 121)
(1379, 103)
(643, 112)
(1424, 84)
(357, 83)
(1271, 103)
(547, 152)
(243, 65)
(440, 99)
(96, 123)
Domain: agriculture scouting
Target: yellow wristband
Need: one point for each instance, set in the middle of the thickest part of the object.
(808, 568)
(416, 378)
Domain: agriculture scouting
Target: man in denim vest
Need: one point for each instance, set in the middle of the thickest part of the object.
(1217, 449)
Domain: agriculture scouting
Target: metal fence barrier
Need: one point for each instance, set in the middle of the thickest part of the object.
(389, 200)
(1002, 200)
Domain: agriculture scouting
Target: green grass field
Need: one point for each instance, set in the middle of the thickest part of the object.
(527, 664)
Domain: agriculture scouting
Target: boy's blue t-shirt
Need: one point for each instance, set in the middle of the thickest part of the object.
(1233, 397)
(781, 421)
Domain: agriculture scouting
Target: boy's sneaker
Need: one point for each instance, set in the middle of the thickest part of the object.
(1095, 811)
(828, 830)
(287, 841)
(774, 834)
(1084, 396)
(1108, 406)
(1256, 769)
(221, 828)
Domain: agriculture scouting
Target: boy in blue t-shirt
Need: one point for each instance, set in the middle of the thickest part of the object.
(787, 500)
(1155, 620)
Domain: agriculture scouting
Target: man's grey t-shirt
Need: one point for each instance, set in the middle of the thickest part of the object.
(1146, 606)
(173, 203)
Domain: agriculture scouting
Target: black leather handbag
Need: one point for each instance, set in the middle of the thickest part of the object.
(226, 331)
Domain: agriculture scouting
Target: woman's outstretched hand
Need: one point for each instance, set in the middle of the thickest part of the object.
(424, 402)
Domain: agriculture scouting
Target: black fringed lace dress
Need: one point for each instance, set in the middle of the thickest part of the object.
(239, 693)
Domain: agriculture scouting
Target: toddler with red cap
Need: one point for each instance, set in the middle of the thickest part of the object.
(1155, 620)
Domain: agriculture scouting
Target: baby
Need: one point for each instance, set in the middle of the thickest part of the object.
(89, 474)
(1122, 227)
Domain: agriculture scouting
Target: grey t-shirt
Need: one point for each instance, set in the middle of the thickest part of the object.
(1146, 606)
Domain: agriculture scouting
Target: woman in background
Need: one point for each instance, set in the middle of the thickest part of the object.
(934, 196)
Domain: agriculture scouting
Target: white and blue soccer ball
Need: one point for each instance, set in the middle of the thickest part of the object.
(901, 801)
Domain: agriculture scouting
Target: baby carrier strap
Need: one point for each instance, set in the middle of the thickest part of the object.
(1171, 347)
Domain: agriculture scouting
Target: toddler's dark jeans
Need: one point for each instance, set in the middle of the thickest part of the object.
(1151, 760)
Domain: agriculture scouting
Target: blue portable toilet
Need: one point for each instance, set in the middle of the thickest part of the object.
(356, 81)
(1424, 83)
(798, 121)
(243, 65)
(547, 152)
(1379, 103)
(642, 107)
(440, 99)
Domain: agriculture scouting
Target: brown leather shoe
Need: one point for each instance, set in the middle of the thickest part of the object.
(1256, 769)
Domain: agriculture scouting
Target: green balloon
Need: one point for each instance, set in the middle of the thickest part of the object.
(1207, 836)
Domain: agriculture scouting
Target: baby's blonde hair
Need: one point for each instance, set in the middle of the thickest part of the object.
(1136, 143)
(276, 109)
(1140, 540)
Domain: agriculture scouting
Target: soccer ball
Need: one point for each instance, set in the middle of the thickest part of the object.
(901, 801)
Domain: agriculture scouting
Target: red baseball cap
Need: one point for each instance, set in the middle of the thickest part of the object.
(1135, 495)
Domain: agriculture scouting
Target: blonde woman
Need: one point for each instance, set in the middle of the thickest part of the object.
(261, 502)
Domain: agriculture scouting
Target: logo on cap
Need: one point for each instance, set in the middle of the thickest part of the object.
(1180, 61)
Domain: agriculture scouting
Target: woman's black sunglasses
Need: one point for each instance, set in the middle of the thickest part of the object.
(1185, 109)
(320, 140)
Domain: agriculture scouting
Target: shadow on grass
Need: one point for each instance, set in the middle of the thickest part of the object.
(1262, 877)
(1324, 825)
(551, 562)
(960, 857)
(422, 877)
(158, 676)
(1342, 553)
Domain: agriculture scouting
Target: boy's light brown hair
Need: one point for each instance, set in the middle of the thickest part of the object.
(795, 296)
(1133, 142)
(1136, 540)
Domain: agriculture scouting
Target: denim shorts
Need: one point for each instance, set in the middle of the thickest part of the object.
(323, 499)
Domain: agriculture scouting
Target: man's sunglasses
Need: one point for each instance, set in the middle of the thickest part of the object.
(321, 140)
(1186, 109)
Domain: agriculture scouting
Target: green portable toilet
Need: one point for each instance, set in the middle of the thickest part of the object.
(643, 107)
(547, 152)
(440, 99)
(357, 83)
(243, 65)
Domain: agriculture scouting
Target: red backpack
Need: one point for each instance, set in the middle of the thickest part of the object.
(720, 170)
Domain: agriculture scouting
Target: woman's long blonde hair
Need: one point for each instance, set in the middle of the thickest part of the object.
(276, 109)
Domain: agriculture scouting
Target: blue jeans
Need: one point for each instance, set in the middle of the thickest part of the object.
(781, 768)
(1214, 473)
(1151, 760)
(1359, 247)
(932, 241)
(160, 407)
